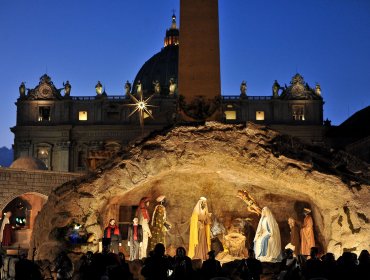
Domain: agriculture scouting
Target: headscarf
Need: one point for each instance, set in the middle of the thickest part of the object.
(274, 244)
(109, 228)
(142, 209)
(193, 238)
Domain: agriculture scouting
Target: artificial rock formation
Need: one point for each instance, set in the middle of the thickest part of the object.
(215, 160)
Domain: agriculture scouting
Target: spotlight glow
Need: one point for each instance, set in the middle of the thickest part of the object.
(141, 106)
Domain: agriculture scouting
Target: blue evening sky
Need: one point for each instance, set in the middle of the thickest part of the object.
(83, 41)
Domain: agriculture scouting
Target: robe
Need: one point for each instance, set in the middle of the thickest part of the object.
(157, 227)
(267, 243)
(200, 236)
(6, 232)
(307, 236)
(143, 216)
(295, 239)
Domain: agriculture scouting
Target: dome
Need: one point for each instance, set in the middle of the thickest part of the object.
(162, 67)
(28, 163)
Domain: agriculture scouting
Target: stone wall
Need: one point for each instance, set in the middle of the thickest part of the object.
(216, 160)
(15, 182)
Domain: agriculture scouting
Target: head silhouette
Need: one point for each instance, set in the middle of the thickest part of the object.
(159, 250)
(180, 252)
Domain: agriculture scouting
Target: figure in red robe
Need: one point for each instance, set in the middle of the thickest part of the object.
(6, 231)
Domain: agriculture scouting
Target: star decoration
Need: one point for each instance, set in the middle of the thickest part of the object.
(141, 105)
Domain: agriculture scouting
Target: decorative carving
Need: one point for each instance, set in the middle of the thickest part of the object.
(299, 90)
(199, 108)
(45, 90)
(63, 145)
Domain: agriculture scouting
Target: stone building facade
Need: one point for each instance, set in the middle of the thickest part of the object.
(72, 133)
(24, 189)
(75, 133)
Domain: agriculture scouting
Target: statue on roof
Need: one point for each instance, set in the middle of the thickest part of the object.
(297, 79)
(127, 88)
(99, 88)
(157, 87)
(45, 79)
(275, 89)
(243, 89)
(139, 88)
(172, 87)
(22, 89)
(318, 89)
(67, 88)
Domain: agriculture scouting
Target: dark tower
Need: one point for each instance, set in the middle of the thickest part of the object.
(199, 60)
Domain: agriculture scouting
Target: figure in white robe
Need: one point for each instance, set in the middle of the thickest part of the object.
(267, 243)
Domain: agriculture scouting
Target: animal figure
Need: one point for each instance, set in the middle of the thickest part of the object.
(217, 227)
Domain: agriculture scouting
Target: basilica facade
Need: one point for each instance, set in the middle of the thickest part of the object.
(73, 133)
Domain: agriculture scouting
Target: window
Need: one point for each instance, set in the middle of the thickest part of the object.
(82, 115)
(113, 116)
(260, 115)
(298, 112)
(230, 115)
(81, 160)
(43, 154)
(44, 113)
(126, 214)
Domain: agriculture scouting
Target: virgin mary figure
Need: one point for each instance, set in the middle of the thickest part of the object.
(200, 232)
(267, 243)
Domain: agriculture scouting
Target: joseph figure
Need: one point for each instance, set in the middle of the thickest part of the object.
(200, 232)
(307, 235)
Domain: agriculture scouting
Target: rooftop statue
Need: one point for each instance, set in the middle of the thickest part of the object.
(318, 89)
(127, 88)
(45, 79)
(99, 88)
(139, 87)
(243, 89)
(275, 89)
(22, 89)
(67, 88)
(173, 86)
(157, 87)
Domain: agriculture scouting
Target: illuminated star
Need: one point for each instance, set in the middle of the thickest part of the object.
(141, 106)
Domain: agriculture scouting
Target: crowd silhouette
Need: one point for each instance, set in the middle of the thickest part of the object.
(159, 266)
